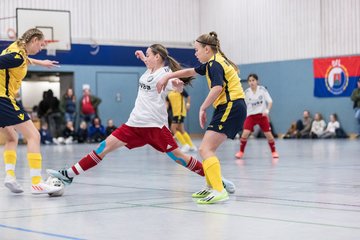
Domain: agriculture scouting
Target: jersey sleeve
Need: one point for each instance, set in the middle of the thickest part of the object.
(267, 96)
(247, 97)
(11, 60)
(201, 69)
(169, 86)
(216, 74)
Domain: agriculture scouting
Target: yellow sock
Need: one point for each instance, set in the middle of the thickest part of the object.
(207, 180)
(34, 160)
(180, 138)
(187, 139)
(10, 162)
(212, 170)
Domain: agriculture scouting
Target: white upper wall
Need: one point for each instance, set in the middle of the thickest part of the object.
(254, 31)
(125, 22)
(250, 31)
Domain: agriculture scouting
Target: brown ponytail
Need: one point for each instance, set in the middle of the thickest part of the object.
(211, 39)
(28, 36)
(169, 61)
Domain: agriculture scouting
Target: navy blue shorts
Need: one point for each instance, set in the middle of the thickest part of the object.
(11, 113)
(229, 118)
(177, 119)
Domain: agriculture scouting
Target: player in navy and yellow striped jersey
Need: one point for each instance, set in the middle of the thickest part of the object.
(179, 110)
(13, 68)
(227, 96)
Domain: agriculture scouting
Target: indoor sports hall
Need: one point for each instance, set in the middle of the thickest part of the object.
(306, 55)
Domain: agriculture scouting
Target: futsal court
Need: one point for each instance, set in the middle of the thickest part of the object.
(312, 192)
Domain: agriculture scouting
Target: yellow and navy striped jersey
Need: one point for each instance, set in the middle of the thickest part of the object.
(177, 102)
(13, 69)
(220, 72)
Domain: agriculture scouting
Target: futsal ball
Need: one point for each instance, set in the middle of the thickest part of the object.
(53, 181)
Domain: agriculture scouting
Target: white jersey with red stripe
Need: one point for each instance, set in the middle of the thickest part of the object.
(150, 106)
(257, 101)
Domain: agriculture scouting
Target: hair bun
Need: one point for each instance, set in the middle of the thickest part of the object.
(213, 34)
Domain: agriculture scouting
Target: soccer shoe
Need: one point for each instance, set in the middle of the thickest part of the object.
(185, 148)
(61, 174)
(202, 193)
(43, 188)
(11, 183)
(214, 197)
(239, 154)
(228, 185)
(275, 154)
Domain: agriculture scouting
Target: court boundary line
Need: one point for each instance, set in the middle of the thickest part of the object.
(40, 232)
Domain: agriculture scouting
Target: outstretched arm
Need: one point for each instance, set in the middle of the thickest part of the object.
(44, 63)
(161, 84)
(140, 55)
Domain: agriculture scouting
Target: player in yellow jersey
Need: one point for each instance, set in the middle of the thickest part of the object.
(14, 61)
(178, 112)
(227, 96)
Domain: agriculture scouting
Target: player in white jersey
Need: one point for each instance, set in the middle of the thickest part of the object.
(259, 103)
(147, 123)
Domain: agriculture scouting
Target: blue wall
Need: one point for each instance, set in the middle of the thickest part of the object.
(104, 79)
(290, 84)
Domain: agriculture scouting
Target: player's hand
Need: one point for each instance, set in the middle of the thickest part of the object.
(202, 118)
(49, 63)
(178, 85)
(139, 54)
(266, 113)
(161, 84)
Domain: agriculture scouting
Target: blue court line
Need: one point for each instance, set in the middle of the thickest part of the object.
(42, 233)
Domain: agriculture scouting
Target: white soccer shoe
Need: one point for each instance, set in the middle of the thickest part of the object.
(43, 188)
(228, 185)
(11, 183)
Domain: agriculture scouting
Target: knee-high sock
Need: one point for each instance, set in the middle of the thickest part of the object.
(180, 138)
(243, 142)
(208, 183)
(187, 139)
(213, 173)
(10, 162)
(272, 145)
(195, 166)
(35, 161)
(87, 162)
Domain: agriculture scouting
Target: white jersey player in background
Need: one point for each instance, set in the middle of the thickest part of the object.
(258, 103)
